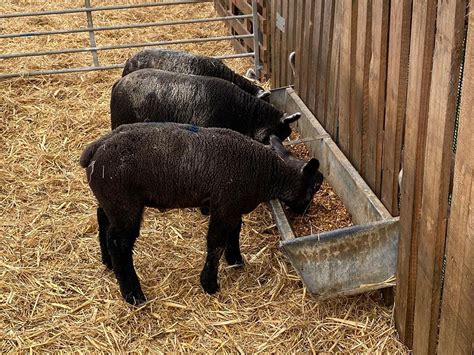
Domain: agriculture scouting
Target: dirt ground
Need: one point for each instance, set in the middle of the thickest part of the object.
(55, 295)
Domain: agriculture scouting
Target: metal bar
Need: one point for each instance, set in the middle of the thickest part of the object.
(104, 67)
(60, 71)
(281, 221)
(122, 46)
(122, 27)
(99, 8)
(233, 56)
(90, 26)
(256, 48)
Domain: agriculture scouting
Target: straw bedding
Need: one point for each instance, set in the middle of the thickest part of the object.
(54, 292)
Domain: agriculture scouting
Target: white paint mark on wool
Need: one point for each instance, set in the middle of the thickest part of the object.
(91, 165)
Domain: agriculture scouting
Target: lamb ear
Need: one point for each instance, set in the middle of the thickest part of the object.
(250, 74)
(263, 94)
(291, 118)
(276, 145)
(311, 167)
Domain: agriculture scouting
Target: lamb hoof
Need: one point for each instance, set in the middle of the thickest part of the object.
(236, 261)
(209, 286)
(135, 299)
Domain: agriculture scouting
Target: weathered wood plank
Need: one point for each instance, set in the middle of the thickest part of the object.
(334, 66)
(456, 334)
(346, 73)
(279, 38)
(315, 54)
(300, 52)
(273, 40)
(360, 84)
(437, 165)
(419, 81)
(307, 41)
(276, 47)
(324, 63)
(284, 44)
(397, 82)
(377, 82)
(456, 327)
(457, 311)
(292, 25)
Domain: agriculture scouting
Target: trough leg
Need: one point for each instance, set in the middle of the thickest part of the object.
(120, 241)
(232, 248)
(216, 242)
(103, 222)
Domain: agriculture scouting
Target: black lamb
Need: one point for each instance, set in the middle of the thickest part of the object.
(157, 95)
(169, 165)
(188, 63)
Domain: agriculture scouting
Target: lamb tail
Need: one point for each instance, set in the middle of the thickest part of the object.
(90, 150)
(88, 153)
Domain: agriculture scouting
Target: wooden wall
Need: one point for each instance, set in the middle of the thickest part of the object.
(457, 309)
(382, 77)
(344, 61)
(434, 77)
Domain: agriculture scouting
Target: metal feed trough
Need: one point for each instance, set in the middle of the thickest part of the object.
(89, 10)
(349, 260)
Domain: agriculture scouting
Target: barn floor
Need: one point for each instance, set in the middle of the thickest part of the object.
(54, 292)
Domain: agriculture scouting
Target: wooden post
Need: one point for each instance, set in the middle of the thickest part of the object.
(397, 82)
(276, 37)
(332, 112)
(360, 83)
(377, 82)
(300, 50)
(307, 42)
(292, 25)
(313, 74)
(284, 44)
(324, 63)
(419, 81)
(456, 334)
(346, 72)
(437, 166)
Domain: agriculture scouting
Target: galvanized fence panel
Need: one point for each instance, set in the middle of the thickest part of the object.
(89, 9)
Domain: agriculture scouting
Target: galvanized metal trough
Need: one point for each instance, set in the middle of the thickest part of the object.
(349, 260)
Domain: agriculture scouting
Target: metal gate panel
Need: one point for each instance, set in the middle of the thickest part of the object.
(89, 9)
